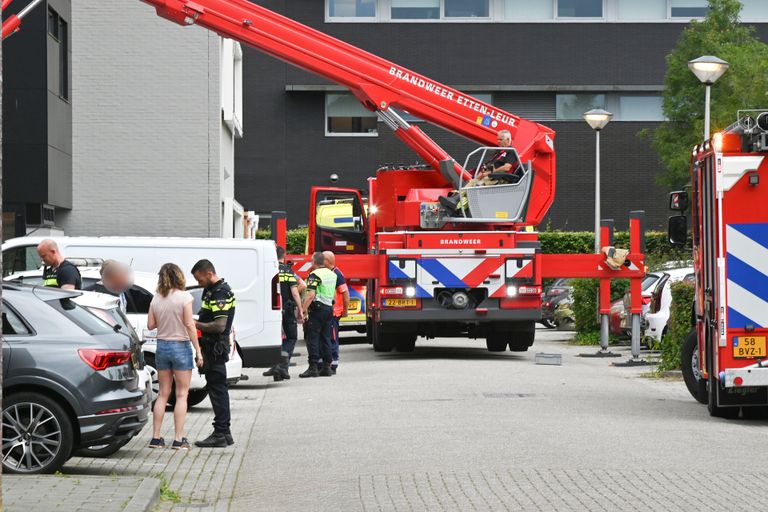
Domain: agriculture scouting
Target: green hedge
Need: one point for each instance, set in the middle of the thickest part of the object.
(678, 327)
(296, 239)
(585, 305)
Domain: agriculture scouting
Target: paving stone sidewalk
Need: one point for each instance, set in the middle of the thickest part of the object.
(200, 480)
(79, 494)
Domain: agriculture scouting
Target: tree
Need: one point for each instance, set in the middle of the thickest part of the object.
(743, 86)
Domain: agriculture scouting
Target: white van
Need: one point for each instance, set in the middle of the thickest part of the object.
(249, 266)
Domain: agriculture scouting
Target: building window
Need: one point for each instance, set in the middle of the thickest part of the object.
(754, 10)
(527, 10)
(624, 106)
(640, 108)
(351, 8)
(344, 115)
(466, 8)
(415, 9)
(579, 8)
(646, 10)
(688, 8)
(570, 107)
(59, 31)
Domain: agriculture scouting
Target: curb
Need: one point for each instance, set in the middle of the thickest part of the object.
(678, 374)
(147, 495)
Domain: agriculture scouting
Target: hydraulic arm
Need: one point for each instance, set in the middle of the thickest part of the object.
(381, 86)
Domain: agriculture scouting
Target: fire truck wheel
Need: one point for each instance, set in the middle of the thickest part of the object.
(406, 343)
(689, 362)
(730, 413)
(381, 342)
(496, 342)
(523, 339)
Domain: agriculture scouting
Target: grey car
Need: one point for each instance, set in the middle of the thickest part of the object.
(69, 380)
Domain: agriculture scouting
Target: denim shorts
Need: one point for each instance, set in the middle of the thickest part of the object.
(174, 355)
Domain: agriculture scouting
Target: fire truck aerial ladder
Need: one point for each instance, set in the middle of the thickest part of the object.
(427, 270)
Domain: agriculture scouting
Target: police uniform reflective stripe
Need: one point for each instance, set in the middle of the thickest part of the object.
(323, 282)
(218, 301)
(49, 277)
(287, 280)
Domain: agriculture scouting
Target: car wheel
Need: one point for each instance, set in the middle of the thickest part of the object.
(196, 396)
(406, 343)
(103, 450)
(496, 342)
(37, 434)
(548, 323)
(689, 363)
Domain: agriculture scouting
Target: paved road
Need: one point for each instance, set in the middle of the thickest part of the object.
(454, 427)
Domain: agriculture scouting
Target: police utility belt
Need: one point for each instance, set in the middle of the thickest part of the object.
(217, 344)
(319, 306)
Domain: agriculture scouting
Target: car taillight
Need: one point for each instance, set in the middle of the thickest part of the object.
(103, 359)
(646, 300)
(199, 334)
(276, 304)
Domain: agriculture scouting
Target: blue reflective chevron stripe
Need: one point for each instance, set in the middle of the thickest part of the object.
(396, 272)
(757, 232)
(421, 293)
(738, 321)
(752, 280)
(442, 274)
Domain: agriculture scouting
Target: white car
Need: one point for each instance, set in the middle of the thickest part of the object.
(661, 300)
(141, 294)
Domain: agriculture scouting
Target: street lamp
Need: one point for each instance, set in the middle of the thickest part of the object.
(597, 119)
(707, 69)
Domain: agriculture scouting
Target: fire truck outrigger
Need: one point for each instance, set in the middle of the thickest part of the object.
(429, 271)
(724, 358)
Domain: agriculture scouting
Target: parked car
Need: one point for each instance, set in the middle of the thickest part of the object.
(70, 380)
(107, 307)
(647, 285)
(553, 294)
(615, 317)
(140, 296)
(661, 301)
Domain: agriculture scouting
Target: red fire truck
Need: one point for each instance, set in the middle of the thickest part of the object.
(724, 359)
(427, 269)
(430, 271)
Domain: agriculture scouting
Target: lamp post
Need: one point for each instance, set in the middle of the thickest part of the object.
(597, 119)
(707, 69)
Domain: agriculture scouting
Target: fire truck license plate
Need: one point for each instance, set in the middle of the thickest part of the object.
(400, 303)
(749, 346)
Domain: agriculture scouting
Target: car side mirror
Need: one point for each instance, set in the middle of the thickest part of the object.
(678, 201)
(677, 230)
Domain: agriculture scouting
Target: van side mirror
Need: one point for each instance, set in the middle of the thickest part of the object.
(677, 230)
(678, 201)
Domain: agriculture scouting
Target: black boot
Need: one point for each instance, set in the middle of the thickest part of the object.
(282, 368)
(270, 372)
(215, 440)
(326, 371)
(310, 372)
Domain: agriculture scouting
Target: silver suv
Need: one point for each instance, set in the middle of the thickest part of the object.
(70, 381)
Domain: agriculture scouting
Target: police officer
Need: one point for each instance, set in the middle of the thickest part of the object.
(215, 322)
(340, 305)
(293, 313)
(58, 272)
(321, 288)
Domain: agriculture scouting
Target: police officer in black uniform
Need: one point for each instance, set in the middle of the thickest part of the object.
(215, 322)
(58, 272)
(292, 314)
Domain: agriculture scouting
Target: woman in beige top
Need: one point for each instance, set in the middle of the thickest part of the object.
(170, 312)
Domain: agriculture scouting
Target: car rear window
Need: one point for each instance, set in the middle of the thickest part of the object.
(79, 315)
(649, 280)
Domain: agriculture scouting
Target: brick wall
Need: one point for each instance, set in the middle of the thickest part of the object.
(146, 124)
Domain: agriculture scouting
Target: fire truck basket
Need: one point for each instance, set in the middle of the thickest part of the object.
(505, 203)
